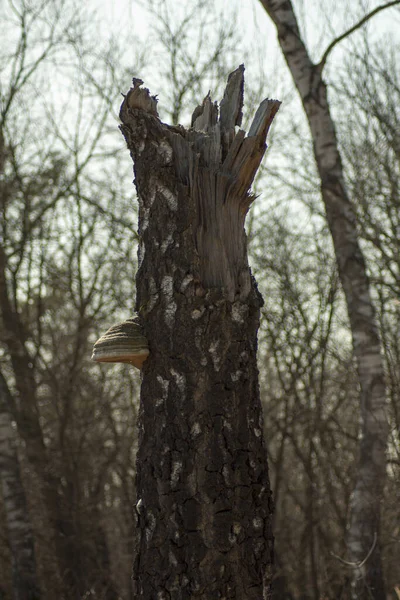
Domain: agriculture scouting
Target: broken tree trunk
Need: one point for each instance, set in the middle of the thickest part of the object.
(364, 522)
(204, 500)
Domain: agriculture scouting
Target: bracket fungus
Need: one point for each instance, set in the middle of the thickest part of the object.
(122, 343)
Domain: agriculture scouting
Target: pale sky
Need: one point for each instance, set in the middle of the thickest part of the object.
(321, 21)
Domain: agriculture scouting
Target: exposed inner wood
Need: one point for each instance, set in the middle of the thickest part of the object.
(218, 164)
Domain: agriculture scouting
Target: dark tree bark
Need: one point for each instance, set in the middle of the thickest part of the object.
(19, 531)
(364, 522)
(204, 501)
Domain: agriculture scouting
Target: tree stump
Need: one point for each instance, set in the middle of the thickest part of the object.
(204, 500)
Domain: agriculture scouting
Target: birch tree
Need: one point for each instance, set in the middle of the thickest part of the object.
(364, 522)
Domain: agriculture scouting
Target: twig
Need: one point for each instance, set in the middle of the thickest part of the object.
(331, 46)
(358, 565)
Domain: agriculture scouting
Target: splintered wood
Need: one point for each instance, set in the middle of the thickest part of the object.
(218, 162)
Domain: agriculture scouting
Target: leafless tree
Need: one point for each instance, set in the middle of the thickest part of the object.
(19, 531)
(64, 234)
(364, 528)
(193, 48)
(202, 477)
(372, 159)
(69, 242)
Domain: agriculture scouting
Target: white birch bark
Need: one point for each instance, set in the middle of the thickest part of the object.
(364, 520)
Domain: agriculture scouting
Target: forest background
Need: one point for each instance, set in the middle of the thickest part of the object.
(68, 263)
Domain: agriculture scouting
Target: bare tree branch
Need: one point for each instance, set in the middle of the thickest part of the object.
(344, 35)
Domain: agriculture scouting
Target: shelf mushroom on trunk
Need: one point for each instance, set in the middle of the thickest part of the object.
(122, 343)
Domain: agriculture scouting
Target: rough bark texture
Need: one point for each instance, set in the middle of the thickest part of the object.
(204, 500)
(19, 532)
(364, 523)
